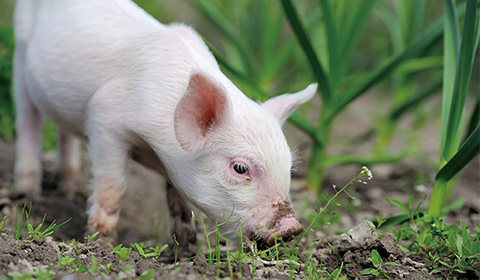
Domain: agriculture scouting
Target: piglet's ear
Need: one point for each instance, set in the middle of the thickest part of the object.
(282, 106)
(203, 107)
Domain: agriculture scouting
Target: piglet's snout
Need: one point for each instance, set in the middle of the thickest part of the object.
(286, 227)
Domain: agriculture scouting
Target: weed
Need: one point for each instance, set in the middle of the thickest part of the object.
(1, 225)
(108, 267)
(90, 237)
(93, 270)
(19, 224)
(32, 234)
(64, 262)
(378, 265)
(36, 234)
(431, 237)
(148, 253)
(178, 245)
(147, 275)
(365, 174)
(121, 252)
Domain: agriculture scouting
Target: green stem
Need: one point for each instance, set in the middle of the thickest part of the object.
(436, 200)
(318, 156)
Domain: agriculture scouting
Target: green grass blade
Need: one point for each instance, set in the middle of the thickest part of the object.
(218, 18)
(354, 29)
(332, 160)
(323, 81)
(421, 42)
(474, 119)
(462, 79)
(331, 32)
(451, 43)
(414, 99)
(467, 152)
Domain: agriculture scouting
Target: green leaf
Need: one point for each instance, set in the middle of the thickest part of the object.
(467, 152)
(399, 219)
(322, 78)
(376, 259)
(399, 205)
(457, 71)
(370, 271)
(147, 275)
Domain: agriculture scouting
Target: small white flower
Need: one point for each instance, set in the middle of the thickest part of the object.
(367, 172)
(420, 188)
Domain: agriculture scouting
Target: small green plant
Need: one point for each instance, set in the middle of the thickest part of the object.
(1, 225)
(363, 176)
(335, 275)
(32, 233)
(178, 245)
(121, 252)
(36, 234)
(20, 225)
(108, 268)
(453, 247)
(90, 237)
(64, 262)
(148, 253)
(378, 266)
(93, 270)
(147, 275)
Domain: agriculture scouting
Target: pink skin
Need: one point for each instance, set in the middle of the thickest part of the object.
(286, 227)
(135, 88)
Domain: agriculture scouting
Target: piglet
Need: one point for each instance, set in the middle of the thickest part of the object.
(107, 72)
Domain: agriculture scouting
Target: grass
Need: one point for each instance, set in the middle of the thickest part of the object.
(459, 57)
(32, 233)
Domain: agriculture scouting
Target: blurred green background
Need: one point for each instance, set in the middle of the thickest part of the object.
(257, 47)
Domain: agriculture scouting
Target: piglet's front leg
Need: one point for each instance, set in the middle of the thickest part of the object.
(109, 168)
(182, 225)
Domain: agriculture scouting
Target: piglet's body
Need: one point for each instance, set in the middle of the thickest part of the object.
(107, 72)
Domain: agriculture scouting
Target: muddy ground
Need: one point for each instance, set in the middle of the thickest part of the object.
(144, 219)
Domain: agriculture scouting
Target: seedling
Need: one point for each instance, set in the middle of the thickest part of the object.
(362, 177)
(91, 237)
(148, 253)
(19, 224)
(147, 275)
(122, 252)
(178, 245)
(33, 234)
(1, 225)
(108, 267)
(379, 265)
(36, 234)
(64, 262)
(94, 269)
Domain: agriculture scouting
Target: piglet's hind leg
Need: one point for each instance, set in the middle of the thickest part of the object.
(29, 127)
(68, 163)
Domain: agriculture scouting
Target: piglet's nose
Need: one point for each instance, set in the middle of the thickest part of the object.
(286, 227)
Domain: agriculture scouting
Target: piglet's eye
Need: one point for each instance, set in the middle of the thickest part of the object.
(240, 168)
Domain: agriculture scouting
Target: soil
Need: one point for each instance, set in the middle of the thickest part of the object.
(144, 219)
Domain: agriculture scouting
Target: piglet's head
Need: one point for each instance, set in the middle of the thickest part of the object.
(236, 156)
